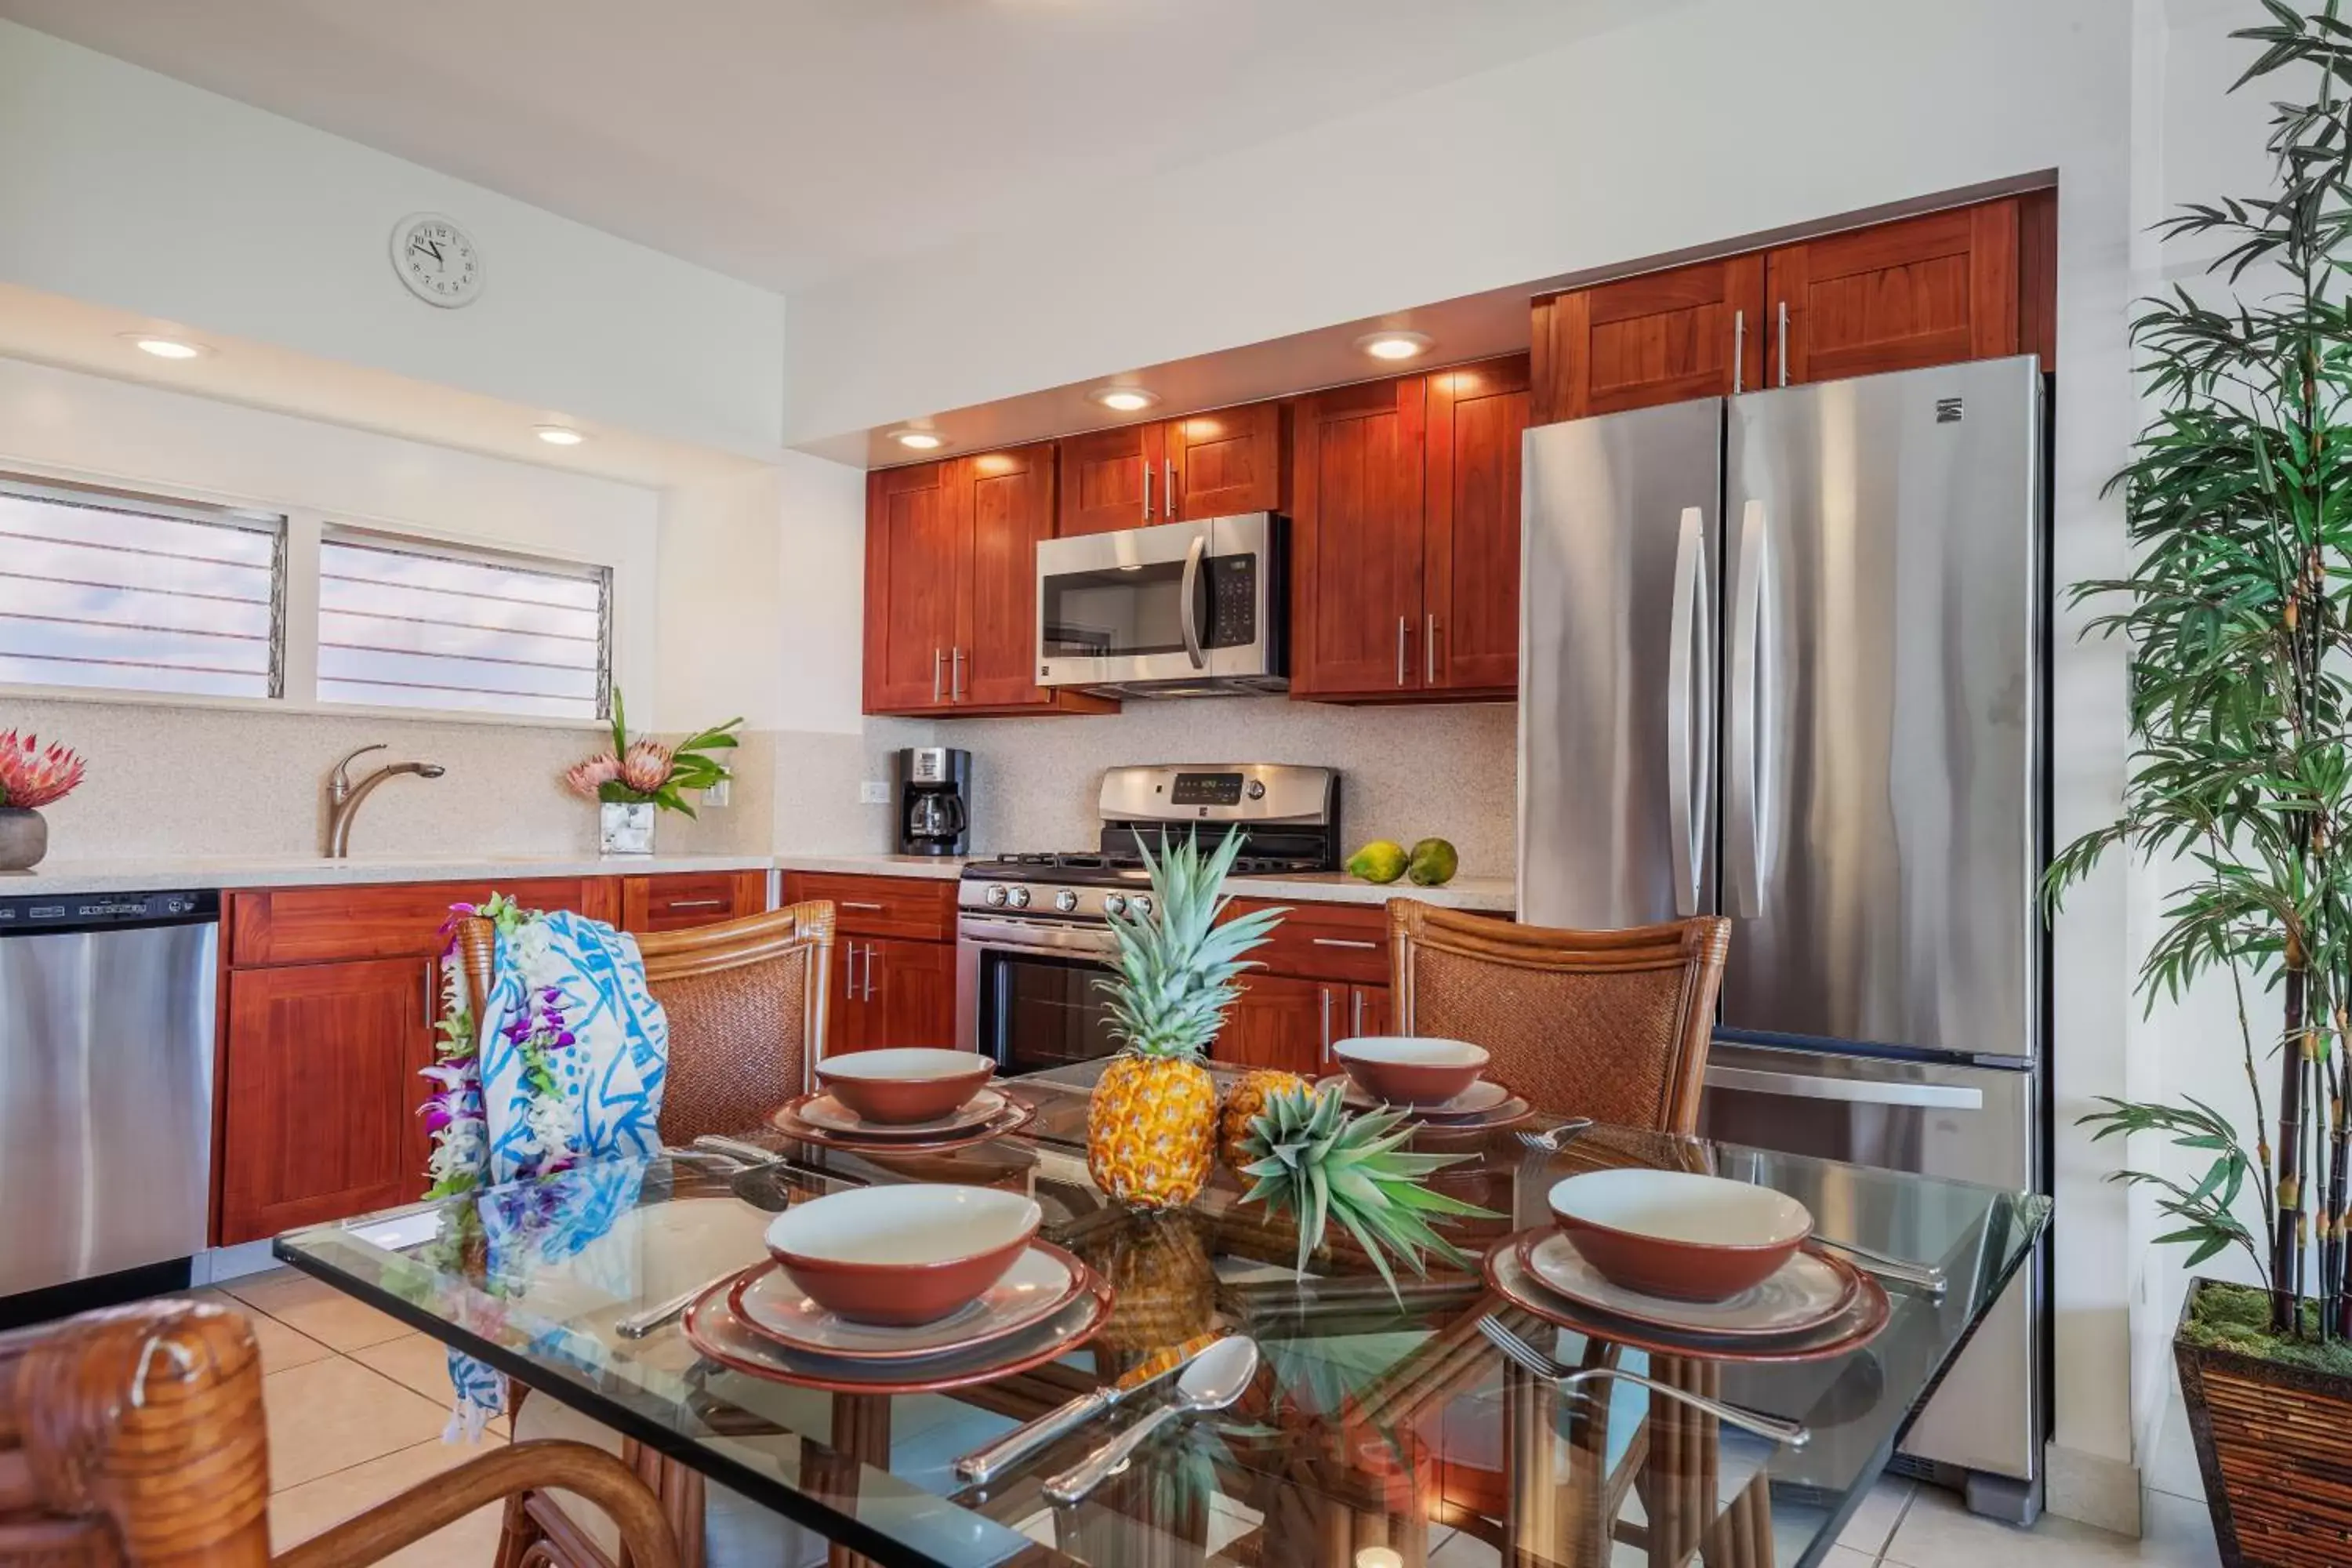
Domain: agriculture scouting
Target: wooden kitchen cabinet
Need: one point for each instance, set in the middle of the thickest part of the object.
(319, 1092)
(888, 992)
(1662, 337)
(1216, 464)
(682, 900)
(952, 586)
(1935, 290)
(1470, 555)
(1279, 1021)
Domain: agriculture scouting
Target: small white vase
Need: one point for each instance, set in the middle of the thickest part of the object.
(24, 837)
(626, 828)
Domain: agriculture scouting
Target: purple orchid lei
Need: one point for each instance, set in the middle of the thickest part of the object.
(453, 1110)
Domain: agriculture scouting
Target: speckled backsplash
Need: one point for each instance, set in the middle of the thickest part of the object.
(1406, 772)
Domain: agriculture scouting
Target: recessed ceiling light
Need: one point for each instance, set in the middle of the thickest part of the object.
(1124, 399)
(921, 440)
(165, 348)
(558, 434)
(1394, 345)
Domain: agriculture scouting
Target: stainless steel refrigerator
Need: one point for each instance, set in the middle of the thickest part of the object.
(1782, 658)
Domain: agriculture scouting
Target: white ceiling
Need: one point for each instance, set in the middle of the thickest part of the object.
(785, 141)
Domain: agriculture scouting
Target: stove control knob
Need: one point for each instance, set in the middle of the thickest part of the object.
(1018, 897)
(1066, 901)
(1140, 904)
(994, 897)
(1114, 903)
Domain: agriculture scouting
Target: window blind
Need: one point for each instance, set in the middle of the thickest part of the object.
(106, 588)
(404, 624)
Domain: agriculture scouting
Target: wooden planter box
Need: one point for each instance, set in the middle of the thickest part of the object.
(2274, 1443)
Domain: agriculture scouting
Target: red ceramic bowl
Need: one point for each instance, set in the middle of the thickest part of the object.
(909, 1084)
(1678, 1233)
(902, 1255)
(1405, 1070)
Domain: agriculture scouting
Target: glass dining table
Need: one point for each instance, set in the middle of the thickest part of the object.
(1378, 1432)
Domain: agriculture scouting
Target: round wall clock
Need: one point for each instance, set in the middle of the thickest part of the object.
(436, 259)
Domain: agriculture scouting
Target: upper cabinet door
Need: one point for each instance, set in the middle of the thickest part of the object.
(1356, 547)
(1470, 616)
(1009, 498)
(1663, 337)
(1225, 462)
(915, 572)
(1926, 290)
(1113, 479)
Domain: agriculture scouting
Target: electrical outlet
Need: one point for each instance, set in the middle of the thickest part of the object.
(717, 794)
(873, 791)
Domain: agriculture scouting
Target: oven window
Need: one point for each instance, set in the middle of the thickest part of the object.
(1039, 1011)
(1116, 611)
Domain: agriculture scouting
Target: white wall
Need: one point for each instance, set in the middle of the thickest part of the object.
(133, 190)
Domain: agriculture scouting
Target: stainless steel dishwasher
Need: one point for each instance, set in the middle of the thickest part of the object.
(106, 1082)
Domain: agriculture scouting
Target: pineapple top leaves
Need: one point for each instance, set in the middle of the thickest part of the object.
(1176, 966)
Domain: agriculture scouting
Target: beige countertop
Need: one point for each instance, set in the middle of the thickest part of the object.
(158, 873)
(1487, 895)
(941, 868)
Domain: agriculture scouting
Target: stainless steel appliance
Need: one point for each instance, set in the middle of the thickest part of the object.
(1032, 931)
(931, 786)
(106, 1082)
(1181, 609)
(1783, 657)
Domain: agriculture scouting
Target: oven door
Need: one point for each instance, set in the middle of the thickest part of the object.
(1182, 601)
(1026, 992)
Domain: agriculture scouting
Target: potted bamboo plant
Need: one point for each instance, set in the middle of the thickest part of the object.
(2239, 613)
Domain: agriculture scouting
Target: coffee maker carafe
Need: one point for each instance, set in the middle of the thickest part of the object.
(932, 786)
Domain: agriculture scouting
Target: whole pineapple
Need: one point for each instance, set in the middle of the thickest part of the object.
(1244, 1102)
(1151, 1124)
(1311, 1157)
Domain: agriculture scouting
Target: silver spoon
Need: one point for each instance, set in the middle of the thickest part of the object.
(1214, 1379)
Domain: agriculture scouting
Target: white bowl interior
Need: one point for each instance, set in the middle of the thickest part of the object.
(1412, 1051)
(1683, 1206)
(913, 1223)
(904, 1063)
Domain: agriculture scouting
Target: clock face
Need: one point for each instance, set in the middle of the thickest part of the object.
(436, 260)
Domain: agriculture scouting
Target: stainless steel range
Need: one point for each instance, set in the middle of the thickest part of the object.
(1032, 933)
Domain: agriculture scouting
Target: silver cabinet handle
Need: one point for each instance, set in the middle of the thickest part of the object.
(1147, 487)
(955, 675)
(1188, 615)
(692, 904)
(1428, 649)
(1356, 1012)
(1323, 999)
(856, 904)
(431, 1011)
(867, 996)
(1346, 942)
(1690, 721)
(1739, 348)
(1404, 622)
(1745, 830)
(939, 657)
(1847, 1091)
(1167, 487)
(1784, 343)
(849, 972)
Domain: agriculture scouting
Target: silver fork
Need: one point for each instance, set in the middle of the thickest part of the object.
(1551, 1139)
(1925, 1277)
(1794, 1434)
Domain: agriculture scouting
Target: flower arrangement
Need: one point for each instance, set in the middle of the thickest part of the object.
(33, 776)
(647, 773)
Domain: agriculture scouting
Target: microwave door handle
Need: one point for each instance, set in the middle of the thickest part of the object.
(1190, 612)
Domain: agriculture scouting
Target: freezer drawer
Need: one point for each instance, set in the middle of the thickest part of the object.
(1970, 1124)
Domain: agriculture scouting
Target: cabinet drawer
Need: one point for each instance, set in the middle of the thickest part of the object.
(1326, 941)
(916, 908)
(687, 900)
(318, 925)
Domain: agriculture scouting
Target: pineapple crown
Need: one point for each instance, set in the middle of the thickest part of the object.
(1313, 1158)
(1176, 965)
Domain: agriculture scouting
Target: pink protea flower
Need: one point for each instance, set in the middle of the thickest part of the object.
(586, 778)
(33, 777)
(645, 767)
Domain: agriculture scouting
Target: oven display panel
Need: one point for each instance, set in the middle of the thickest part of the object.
(1206, 789)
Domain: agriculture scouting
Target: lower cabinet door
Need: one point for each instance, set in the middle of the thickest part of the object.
(846, 1022)
(910, 993)
(1368, 1010)
(1282, 1022)
(321, 1090)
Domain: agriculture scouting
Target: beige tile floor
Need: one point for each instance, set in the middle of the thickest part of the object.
(357, 1402)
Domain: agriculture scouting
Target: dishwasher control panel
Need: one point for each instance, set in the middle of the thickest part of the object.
(82, 911)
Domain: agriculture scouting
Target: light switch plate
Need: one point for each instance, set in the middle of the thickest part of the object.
(717, 794)
(873, 791)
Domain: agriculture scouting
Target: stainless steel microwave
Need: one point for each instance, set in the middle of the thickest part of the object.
(1179, 609)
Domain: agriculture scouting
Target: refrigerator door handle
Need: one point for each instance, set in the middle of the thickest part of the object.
(1690, 717)
(1744, 833)
(1851, 1090)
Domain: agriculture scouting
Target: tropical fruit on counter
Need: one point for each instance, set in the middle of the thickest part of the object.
(1432, 863)
(1244, 1100)
(1379, 861)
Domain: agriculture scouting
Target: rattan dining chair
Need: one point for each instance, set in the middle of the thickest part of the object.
(135, 1435)
(1613, 1024)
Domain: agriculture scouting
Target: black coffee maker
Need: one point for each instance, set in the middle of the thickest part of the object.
(931, 793)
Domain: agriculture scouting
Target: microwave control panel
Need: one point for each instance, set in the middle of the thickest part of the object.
(1232, 583)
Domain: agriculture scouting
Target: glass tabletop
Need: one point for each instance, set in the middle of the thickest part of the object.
(1375, 1431)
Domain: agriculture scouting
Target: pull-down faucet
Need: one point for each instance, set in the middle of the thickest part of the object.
(343, 796)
